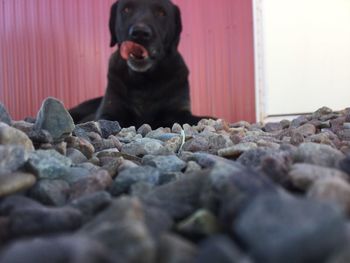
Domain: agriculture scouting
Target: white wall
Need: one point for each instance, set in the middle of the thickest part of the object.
(306, 55)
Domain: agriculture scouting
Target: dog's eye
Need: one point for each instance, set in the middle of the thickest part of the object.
(160, 12)
(127, 10)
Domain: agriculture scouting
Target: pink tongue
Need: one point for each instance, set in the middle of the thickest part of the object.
(128, 47)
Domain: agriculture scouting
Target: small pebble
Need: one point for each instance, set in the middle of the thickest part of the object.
(54, 118)
(4, 115)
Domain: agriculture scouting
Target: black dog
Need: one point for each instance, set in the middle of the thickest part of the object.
(147, 77)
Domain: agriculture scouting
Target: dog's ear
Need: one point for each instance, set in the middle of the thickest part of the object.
(178, 26)
(112, 24)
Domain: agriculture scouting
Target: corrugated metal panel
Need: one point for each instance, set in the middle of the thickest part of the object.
(61, 49)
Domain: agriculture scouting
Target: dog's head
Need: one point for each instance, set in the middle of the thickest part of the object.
(145, 30)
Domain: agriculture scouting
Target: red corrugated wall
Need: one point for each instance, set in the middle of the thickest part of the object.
(61, 49)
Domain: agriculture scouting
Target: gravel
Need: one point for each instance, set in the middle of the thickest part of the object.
(214, 192)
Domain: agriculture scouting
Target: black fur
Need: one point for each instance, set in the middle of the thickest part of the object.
(158, 96)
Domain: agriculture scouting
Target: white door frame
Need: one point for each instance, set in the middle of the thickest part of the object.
(260, 79)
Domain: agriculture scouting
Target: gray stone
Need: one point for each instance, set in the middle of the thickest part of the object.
(91, 204)
(239, 124)
(11, 183)
(29, 119)
(23, 126)
(276, 167)
(164, 137)
(297, 138)
(14, 202)
(192, 167)
(4, 232)
(337, 124)
(289, 229)
(247, 180)
(217, 141)
(157, 221)
(140, 189)
(220, 248)
(285, 123)
(230, 186)
(117, 143)
(49, 164)
(95, 182)
(344, 135)
(61, 148)
(51, 192)
(346, 125)
(12, 136)
(180, 198)
(127, 164)
(236, 150)
(55, 250)
(77, 173)
(104, 144)
(258, 135)
(173, 145)
(167, 177)
(88, 166)
(4, 115)
(219, 124)
(331, 116)
(144, 146)
(176, 128)
(253, 157)
(54, 118)
(303, 175)
(201, 223)
(334, 190)
(121, 228)
(323, 138)
(128, 134)
(174, 249)
(128, 177)
(12, 158)
(342, 256)
(325, 125)
(170, 163)
(322, 112)
(190, 131)
(40, 136)
(43, 220)
(196, 144)
(82, 145)
(162, 134)
(299, 121)
(84, 130)
(306, 130)
(318, 154)
(76, 156)
(345, 164)
(108, 128)
(273, 127)
(206, 160)
(112, 165)
(114, 153)
(144, 130)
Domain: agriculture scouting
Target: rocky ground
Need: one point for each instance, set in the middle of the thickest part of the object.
(211, 193)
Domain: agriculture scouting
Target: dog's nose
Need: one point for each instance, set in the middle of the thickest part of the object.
(140, 32)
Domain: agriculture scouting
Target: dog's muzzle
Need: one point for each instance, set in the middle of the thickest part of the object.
(136, 56)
